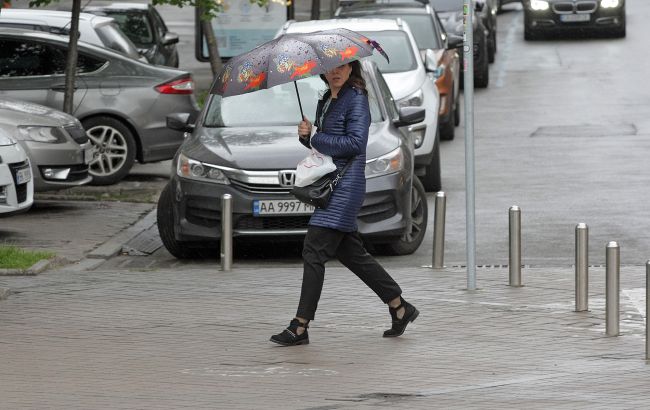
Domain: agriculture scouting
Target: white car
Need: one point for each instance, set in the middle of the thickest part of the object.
(16, 184)
(98, 30)
(407, 78)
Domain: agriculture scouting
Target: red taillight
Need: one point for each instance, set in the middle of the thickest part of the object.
(181, 86)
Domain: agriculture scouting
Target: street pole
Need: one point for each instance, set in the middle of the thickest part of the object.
(468, 90)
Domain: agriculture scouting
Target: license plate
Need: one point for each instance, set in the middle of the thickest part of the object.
(281, 207)
(574, 18)
(23, 176)
(88, 155)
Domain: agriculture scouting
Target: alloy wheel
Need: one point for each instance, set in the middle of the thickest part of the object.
(417, 216)
(110, 150)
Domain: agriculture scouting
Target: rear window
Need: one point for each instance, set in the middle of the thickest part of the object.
(398, 47)
(423, 31)
(135, 25)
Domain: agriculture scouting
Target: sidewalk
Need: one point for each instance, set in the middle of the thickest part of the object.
(198, 338)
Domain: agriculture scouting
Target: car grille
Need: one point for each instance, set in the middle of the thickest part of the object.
(77, 133)
(377, 212)
(21, 190)
(580, 7)
(272, 223)
(260, 188)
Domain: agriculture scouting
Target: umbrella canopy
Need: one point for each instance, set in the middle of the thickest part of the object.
(291, 57)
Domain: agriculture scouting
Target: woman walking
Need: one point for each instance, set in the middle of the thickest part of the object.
(343, 121)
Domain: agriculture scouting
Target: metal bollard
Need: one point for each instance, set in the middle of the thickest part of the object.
(515, 246)
(582, 267)
(439, 231)
(612, 284)
(647, 310)
(226, 232)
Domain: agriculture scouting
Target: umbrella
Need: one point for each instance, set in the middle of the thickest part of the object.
(291, 57)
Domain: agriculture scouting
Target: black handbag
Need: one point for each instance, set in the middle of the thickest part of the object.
(318, 193)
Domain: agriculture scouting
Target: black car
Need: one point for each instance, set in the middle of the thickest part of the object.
(144, 26)
(451, 14)
(486, 10)
(585, 16)
(235, 149)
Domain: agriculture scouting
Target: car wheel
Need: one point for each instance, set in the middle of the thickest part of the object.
(492, 48)
(114, 146)
(165, 219)
(431, 179)
(410, 242)
(448, 128)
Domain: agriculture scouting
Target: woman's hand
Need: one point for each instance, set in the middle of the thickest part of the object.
(304, 128)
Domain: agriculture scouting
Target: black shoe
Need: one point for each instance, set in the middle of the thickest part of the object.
(290, 336)
(399, 325)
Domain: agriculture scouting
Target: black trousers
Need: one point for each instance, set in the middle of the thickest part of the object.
(323, 244)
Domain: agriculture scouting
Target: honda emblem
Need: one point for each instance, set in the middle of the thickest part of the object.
(287, 178)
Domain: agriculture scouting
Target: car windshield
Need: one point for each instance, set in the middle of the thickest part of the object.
(396, 44)
(421, 26)
(135, 25)
(448, 5)
(114, 39)
(279, 106)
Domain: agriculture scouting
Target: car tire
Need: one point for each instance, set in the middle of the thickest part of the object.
(409, 243)
(492, 48)
(482, 80)
(114, 146)
(448, 128)
(165, 219)
(431, 179)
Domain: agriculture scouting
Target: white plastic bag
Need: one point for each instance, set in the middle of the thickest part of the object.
(313, 167)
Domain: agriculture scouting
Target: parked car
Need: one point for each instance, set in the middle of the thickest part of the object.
(16, 185)
(142, 23)
(438, 49)
(487, 10)
(451, 14)
(121, 102)
(407, 78)
(253, 157)
(101, 31)
(56, 144)
(557, 16)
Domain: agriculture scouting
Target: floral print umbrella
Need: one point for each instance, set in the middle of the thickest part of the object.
(291, 57)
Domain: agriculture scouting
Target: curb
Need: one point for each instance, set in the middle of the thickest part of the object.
(33, 270)
(114, 245)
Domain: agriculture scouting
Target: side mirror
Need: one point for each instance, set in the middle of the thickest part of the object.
(169, 39)
(179, 122)
(454, 41)
(410, 116)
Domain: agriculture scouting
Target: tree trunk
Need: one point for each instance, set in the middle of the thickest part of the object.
(211, 40)
(315, 9)
(71, 63)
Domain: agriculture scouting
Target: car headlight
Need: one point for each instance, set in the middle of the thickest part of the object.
(52, 135)
(386, 164)
(539, 5)
(414, 100)
(609, 4)
(193, 169)
(6, 140)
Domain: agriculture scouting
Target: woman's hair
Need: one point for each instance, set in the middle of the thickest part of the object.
(356, 78)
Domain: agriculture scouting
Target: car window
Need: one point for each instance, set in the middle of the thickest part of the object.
(422, 29)
(158, 24)
(442, 33)
(135, 25)
(448, 5)
(279, 105)
(20, 58)
(113, 38)
(389, 102)
(398, 47)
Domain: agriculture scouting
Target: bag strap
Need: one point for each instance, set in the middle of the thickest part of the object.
(335, 181)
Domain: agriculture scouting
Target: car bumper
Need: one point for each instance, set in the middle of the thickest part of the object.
(556, 20)
(384, 214)
(14, 197)
(58, 166)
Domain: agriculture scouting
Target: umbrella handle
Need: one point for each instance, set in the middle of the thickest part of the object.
(302, 115)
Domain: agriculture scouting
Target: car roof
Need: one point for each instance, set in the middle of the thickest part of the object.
(61, 39)
(357, 24)
(53, 16)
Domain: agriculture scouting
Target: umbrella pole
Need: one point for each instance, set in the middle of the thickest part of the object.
(299, 103)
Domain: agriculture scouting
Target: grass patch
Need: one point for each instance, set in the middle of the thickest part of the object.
(12, 257)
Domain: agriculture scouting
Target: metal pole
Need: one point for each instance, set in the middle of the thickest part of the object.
(439, 231)
(582, 267)
(468, 92)
(515, 245)
(612, 283)
(226, 232)
(647, 310)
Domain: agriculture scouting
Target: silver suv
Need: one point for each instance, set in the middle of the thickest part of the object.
(407, 78)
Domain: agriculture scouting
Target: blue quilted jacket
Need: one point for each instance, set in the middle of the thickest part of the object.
(343, 135)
